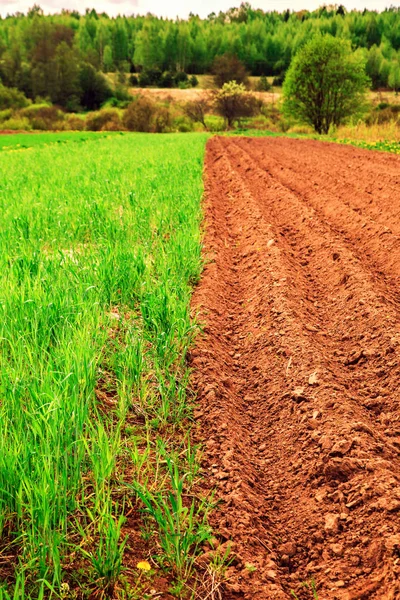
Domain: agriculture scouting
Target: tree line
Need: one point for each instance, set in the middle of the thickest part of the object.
(62, 57)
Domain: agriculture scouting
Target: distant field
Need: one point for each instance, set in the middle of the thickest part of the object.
(99, 248)
(21, 141)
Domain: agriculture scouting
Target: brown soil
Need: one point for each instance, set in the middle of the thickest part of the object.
(191, 94)
(297, 371)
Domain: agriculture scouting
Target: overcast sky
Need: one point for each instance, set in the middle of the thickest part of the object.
(180, 8)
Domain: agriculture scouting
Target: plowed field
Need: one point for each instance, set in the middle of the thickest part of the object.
(298, 368)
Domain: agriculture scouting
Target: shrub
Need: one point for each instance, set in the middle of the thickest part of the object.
(182, 124)
(5, 114)
(150, 77)
(228, 68)
(233, 101)
(181, 77)
(196, 110)
(263, 85)
(122, 94)
(162, 120)
(104, 120)
(17, 124)
(139, 115)
(194, 82)
(167, 80)
(133, 80)
(384, 115)
(74, 123)
(12, 98)
(44, 117)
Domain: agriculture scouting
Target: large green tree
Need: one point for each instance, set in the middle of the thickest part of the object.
(325, 84)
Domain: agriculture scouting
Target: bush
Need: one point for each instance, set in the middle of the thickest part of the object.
(233, 101)
(388, 114)
(73, 123)
(12, 98)
(133, 80)
(194, 82)
(104, 120)
(17, 124)
(181, 77)
(196, 110)
(167, 80)
(263, 85)
(139, 115)
(150, 77)
(44, 117)
(5, 114)
(162, 120)
(228, 68)
(182, 124)
(121, 94)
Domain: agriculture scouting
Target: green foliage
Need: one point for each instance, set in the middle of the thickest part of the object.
(12, 98)
(44, 118)
(228, 68)
(44, 55)
(139, 115)
(394, 76)
(104, 120)
(167, 79)
(94, 88)
(326, 83)
(233, 101)
(384, 113)
(197, 109)
(145, 115)
(263, 84)
(17, 124)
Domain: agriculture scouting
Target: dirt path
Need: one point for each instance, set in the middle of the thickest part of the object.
(298, 369)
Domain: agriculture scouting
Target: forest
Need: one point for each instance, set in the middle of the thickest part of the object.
(62, 57)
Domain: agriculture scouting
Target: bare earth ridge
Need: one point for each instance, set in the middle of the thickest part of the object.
(297, 370)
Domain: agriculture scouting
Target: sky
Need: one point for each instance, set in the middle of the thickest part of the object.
(180, 8)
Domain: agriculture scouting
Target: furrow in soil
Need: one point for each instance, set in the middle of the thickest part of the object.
(297, 368)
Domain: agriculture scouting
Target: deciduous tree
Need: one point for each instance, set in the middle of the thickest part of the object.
(325, 84)
(233, 102)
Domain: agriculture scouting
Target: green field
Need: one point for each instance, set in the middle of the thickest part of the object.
(99, 248)
(22, 141)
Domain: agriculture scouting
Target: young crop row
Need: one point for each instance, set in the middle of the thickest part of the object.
(99, 249)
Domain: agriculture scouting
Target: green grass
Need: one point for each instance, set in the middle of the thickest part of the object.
(382, 146)
(99, 250)
(22, 141)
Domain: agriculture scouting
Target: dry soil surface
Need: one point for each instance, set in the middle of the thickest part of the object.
(298, 367)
